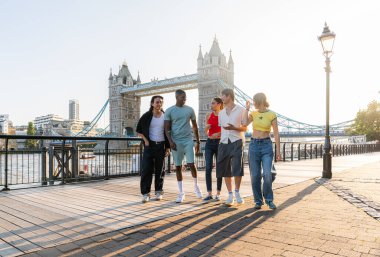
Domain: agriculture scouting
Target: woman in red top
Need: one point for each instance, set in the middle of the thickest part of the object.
(212, 130)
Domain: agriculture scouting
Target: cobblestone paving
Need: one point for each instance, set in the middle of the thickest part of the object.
(313, 218)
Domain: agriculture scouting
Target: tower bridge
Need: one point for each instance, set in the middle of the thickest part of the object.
(214, 73)
(125, 93)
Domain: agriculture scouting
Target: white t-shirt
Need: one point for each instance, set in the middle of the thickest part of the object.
(156, 129)
(235, 118)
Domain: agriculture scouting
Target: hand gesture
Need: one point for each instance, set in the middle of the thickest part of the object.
(278, 157)
(196, 148)
(230, 127)
(247, 104)
(173, 146)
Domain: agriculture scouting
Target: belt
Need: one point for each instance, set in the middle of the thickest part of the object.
(260, 139)
(156, 142)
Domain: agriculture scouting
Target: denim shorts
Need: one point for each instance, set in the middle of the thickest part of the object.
(183, 149)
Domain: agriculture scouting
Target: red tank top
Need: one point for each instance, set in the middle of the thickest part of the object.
(213, 121)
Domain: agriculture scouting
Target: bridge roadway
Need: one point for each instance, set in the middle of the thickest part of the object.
(39, 218)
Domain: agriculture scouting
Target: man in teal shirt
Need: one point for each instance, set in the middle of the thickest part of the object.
(178, 131)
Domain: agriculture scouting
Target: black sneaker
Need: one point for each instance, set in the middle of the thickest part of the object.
(271, 205)
(257, 206)
(208, 198)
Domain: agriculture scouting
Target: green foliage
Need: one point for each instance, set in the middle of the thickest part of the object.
(367, 122)
(31, 143)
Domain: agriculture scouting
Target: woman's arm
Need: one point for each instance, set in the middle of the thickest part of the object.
(276, 139)
(247, 119)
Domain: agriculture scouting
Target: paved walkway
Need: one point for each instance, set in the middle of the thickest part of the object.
(107, 218)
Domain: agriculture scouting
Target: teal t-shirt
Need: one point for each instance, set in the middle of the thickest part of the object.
(180, 118)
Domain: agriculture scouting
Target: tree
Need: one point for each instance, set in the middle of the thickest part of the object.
(31, 143)
(367, 122)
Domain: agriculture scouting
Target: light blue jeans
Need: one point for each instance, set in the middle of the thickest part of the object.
(261, 157)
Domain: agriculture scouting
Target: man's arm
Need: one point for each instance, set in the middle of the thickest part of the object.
(196, 134)
(167, 127)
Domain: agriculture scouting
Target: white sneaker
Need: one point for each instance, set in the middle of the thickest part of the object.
(239, 200)
(198, 192)
(158, 196)
(145, 198)
(230, 200)
(180, 198)
(217, 198)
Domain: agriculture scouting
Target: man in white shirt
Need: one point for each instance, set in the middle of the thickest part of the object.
(230, 153)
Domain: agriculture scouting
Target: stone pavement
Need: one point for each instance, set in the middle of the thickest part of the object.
(315, 217)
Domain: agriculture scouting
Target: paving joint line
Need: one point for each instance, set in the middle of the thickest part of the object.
(368, 206)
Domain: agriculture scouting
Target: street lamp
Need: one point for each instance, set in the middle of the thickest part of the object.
(327, 40)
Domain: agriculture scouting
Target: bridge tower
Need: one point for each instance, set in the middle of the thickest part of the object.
(211, 68)
(124, 108)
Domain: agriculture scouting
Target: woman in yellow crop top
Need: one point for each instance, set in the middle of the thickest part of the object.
(261, 149)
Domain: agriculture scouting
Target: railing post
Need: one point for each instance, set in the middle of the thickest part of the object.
(63, 161)
(283, 152)
(169, 163)
(299, 151)
(43, 167)
(6, 188)
(141, 156)
(75, 159)
(305, 152)
(275, 152)
(51, 165)
(333, 150)
(291, 152)
(106, 161)
(311, 151)
(321, 151)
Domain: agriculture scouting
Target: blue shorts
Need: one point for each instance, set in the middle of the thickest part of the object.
(183, 149)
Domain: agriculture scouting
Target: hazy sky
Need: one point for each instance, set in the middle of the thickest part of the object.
(52, 51)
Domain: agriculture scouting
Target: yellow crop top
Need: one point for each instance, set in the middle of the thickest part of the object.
(262, 121)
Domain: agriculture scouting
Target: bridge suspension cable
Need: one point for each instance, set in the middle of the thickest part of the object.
(241, 97)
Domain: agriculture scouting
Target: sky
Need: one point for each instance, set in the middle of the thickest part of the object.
(52, 51)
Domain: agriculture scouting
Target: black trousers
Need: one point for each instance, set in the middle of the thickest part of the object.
(153, 163)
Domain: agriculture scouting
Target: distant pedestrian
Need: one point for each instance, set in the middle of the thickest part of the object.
(179, 134)
(150, 128)
(230, 153)
(213, 131)
(261, 149)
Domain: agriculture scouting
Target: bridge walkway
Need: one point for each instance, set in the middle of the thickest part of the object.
(51, 219)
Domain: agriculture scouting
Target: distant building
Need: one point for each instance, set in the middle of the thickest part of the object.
(74, 110)
(42, 121)
(4, 123)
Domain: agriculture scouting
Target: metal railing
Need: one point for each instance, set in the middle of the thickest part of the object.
(301, 151)
(67, 159)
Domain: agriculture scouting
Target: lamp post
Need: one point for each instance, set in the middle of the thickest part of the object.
(327, 41)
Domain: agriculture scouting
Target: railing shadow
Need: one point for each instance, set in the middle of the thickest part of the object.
(189, 234)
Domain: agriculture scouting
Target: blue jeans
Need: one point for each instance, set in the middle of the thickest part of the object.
(211, 149)
(261, 156)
